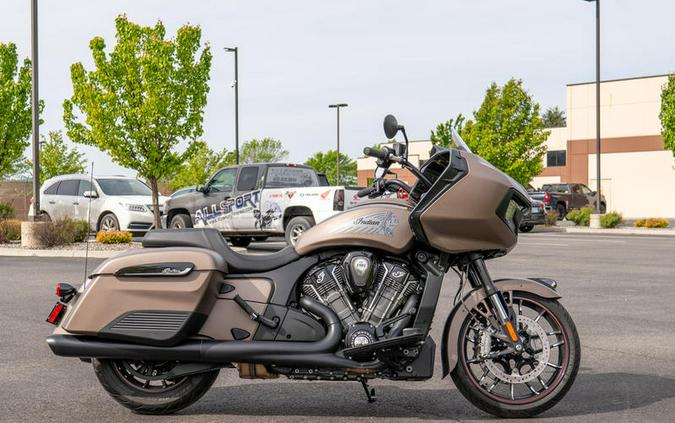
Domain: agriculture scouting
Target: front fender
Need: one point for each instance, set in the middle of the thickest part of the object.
(542, 287)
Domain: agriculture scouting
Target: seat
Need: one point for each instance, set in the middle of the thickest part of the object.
(213, 240)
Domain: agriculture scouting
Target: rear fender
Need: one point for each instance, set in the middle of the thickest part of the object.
(541, 287)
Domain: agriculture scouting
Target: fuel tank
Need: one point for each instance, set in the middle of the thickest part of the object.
(380, 225)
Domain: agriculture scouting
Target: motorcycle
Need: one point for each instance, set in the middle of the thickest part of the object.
(353, 300)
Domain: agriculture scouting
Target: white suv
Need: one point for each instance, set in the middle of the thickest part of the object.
(117, 202)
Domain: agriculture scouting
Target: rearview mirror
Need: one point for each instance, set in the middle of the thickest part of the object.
(90, 194)
(391, 126)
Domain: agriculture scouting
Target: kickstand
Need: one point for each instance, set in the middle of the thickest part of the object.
(370, 392)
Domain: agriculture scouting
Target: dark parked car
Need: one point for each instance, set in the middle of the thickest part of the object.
(536, 216)
(565, 197)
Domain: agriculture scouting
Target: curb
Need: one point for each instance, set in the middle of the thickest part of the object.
(621, 231)
(21, 252)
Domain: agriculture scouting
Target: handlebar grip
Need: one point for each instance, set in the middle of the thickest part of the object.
(365, 192)
(378, 154)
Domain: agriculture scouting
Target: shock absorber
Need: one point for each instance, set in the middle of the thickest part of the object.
(505, 316)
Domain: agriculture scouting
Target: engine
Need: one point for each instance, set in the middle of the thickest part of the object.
(374, 298)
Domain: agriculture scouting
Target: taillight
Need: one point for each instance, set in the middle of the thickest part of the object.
(339, 200)
(65, 292)
(56, 313)
(547, 198)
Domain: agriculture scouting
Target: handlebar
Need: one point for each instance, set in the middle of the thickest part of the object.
(366, 191)
(382, 154)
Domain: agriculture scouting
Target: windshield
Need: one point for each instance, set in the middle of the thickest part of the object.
(458, 142)
(116, 186)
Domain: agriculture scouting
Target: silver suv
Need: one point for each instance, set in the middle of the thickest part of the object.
(117, 202)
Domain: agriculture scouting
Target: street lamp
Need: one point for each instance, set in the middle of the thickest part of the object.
(337, 164)
(597, 100)
(235, 50)
(36, 109)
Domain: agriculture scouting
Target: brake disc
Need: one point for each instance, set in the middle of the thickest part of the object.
(534, 330)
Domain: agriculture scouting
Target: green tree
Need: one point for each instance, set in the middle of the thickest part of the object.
(553, 117)
(15, 110)
(507, 131)
(197, 169)
(326, 163)
(443, 133)
(56, 158)
(143, 99)
(667, 114)
(265, 150)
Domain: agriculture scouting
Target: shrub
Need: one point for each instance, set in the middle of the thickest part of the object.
(10, 230)
(80, 230)
(652, 222)
(581, 217)
(62, 231)
(113, 237)
(551, 218)
(6, 211)
(611, 220)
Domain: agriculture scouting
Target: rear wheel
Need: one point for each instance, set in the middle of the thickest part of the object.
(603, 208)
(526, 228)
(506, 384)
(296, 227)
(141, 387)
(562, 211)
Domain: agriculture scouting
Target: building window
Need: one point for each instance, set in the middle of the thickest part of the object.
(556, 158)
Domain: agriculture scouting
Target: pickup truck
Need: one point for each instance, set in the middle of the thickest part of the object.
(254, 201)
(565, 197)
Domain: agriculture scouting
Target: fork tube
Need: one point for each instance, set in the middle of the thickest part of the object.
(479, 273)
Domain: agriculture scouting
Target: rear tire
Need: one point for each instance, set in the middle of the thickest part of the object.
(128, 390)
(526, 228)
(603, 208)
(562, 211)
(180, 221)
(296, 227)
(240, 241)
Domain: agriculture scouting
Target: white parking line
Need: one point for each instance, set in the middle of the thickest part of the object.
(546, 244)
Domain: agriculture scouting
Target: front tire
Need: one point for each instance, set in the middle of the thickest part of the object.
(562, 211)
(180, 221)
(296, 227)
(126, 382)
(499, 385)
(109, 222)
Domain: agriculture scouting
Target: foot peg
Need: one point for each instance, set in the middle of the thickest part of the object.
(370, 392)
(253, 314)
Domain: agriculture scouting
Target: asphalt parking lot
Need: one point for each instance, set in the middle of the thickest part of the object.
(619, 289)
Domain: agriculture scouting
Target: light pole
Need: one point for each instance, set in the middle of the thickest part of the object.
(597, 100)
(36, 110)
(235, 50)
(337, 164)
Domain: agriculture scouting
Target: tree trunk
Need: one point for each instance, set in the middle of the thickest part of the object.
(155, 202)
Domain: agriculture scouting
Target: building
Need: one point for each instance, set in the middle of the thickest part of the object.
(638, 175)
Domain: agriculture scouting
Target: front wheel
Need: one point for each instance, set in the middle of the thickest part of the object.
(140, 386)
(507, 384)
(526, 228)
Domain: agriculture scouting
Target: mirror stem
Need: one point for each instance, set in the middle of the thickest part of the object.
(405, 137)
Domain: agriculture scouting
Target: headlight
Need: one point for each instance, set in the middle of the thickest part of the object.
(135, 207)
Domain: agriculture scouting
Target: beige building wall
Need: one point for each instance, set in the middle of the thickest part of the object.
(637, 184)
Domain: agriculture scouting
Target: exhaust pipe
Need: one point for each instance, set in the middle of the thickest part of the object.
(302, 354)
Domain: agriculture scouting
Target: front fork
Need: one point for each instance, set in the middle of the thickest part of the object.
(480, 277)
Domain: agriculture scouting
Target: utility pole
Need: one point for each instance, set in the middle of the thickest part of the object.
(337, 164)
(35, 105)
(235, 50)
(597, 100)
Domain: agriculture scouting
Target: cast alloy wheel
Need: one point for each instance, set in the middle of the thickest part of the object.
(109, 223)
(508, 384)
(147, 375)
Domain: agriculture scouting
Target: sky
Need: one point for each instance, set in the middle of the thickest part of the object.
(424, 61)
